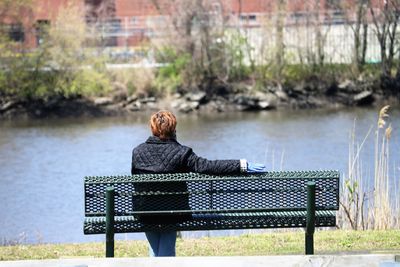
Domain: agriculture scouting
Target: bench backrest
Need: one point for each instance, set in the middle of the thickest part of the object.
(272, 191)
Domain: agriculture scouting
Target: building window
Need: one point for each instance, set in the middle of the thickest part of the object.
(252, 17)
(333, 4)
(248, 17)
(299, 17)
(134, 21)
(114, 25)
(41, 28)
(15, 32)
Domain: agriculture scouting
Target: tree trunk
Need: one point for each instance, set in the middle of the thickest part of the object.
(364, 45)
(318, 35)
(279, 56)
(357, 36)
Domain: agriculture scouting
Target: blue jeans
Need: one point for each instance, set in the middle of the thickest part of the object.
(161, 244)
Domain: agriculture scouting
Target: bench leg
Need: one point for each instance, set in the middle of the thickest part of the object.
(310, 225)
(110, 222)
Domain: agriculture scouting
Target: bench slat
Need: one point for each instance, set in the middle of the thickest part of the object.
(126, 224)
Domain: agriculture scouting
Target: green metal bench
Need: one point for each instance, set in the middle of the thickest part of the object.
(305, 199)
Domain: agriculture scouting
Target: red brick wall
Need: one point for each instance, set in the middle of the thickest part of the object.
(44, 10)
(251, 6)
(136, 8)
(48, 9)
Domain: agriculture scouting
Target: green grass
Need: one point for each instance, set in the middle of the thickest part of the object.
(277, 243)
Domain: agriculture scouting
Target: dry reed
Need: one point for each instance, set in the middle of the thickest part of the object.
(382, 216)
(354, 196)
(363, 207)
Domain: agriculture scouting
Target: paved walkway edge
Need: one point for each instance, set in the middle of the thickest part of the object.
(370, 260)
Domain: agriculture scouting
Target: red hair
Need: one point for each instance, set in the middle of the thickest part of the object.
(163, 124)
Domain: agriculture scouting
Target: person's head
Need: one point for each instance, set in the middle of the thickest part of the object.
(163, 124)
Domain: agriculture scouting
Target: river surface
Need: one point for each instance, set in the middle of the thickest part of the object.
(42, 163)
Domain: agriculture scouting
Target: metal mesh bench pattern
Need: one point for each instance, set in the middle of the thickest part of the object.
(268, 200)
(259, 220)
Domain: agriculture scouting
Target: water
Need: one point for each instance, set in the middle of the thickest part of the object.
(42, 163)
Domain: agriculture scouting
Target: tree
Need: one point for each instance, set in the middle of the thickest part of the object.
(321, 31)
(385, 19)
(59, 66)
(77, 70)
(100, 15)
(361, 34)
(280, 52)
(356, 17)
(196, 30)
(14, 14)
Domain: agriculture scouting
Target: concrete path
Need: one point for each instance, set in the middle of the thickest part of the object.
(371, 260)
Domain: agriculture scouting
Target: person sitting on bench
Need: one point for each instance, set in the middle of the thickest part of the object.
(161, 153)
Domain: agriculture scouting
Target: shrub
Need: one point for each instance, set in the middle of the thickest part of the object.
(173, 74)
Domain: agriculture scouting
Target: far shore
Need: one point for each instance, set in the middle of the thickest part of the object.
(228, 98)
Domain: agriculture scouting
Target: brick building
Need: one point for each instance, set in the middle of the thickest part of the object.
(126, 23)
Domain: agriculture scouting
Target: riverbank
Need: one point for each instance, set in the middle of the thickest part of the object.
(276, 243)
(309, 94)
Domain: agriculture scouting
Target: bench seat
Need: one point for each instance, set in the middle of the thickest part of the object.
(251, 220)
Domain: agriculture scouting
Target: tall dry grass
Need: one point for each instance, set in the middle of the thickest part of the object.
(382, 211)
(364, 205)
(139, 81)
(354, 196)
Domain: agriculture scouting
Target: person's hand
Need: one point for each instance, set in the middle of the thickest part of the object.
(255, 167)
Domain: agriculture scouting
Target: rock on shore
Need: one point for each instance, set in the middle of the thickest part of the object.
(219, 98)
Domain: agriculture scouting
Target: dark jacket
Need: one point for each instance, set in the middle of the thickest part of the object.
(158, 156)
